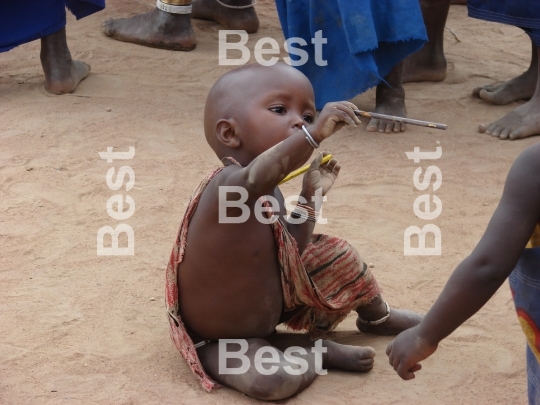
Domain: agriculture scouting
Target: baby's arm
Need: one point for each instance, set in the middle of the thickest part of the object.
(264, 173)
(317, 182)
(479, 276)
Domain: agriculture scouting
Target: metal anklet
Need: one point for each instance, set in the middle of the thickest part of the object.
(378, 321)
(172, 8)
(201, 343)
(237, 7)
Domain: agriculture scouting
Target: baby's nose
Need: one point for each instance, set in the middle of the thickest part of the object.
(298, 122)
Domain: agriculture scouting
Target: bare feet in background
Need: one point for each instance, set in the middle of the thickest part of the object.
(62, 74)
(429, 63)
(524, 121)
(390, 100)
(519, 88)
(159, 29)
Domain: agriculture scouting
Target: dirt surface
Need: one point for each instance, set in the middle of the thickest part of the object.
(78, 328)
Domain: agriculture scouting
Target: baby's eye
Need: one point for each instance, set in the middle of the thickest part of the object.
(308, 118)
(279, 109)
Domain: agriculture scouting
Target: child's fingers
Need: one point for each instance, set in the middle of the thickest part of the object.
(404, 373)
(390, 355)
(346, 114)
(316, 163)
(389, 349)
(330, 165)
(353, 107)
(349, 109)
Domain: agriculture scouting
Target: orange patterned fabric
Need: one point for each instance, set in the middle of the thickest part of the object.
(328, 281)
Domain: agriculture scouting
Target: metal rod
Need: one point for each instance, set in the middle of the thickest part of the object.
(400, 119)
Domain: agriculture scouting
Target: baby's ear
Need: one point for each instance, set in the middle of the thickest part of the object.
(226, 134)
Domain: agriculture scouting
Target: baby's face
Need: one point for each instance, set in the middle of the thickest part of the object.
(276, 110)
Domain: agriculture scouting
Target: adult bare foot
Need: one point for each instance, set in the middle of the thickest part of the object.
(62, 74)
(426, 65)
(348, 358)
(519, 88)
(429, 63)
(156, 29)
(390, 100)
(230, 18)
(523, 122)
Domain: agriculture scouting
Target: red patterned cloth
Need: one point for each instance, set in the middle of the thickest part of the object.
(328, 281)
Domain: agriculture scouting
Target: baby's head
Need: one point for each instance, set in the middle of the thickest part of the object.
(254, 107)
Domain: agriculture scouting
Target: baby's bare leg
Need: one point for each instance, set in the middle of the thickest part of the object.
(399, 320)
(289, 376)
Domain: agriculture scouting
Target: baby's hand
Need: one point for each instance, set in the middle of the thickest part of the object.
(320, 176)
(332, 118)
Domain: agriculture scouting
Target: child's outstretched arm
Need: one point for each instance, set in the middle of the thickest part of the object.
(479, 276)
(264, 173)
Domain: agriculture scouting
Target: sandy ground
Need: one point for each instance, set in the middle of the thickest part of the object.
(78, 328)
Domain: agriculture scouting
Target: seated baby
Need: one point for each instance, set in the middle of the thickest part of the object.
(240, 266)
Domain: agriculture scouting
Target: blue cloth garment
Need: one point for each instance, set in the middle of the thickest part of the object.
(366, 39)
(25, 21)
(525, 286)
(524, 14)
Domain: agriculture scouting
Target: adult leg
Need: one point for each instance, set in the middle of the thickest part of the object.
(229, 18)
(398, 321)
(160, 29)
(390, 100)
(429, 63)
(522, 122)
(519, 88)
(284, 382)
(62, 74)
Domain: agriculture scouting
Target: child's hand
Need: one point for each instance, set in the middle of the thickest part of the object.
(407, 350)
(320, 176)
(332, 118)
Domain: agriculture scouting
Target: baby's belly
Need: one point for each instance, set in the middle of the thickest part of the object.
(238, 303)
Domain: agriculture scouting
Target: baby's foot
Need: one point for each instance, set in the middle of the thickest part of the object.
(399, 320)
(348, 358)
